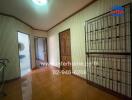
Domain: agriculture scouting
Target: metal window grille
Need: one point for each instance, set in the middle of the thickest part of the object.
(108, 51)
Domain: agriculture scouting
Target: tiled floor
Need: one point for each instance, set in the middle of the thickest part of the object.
(41, 84)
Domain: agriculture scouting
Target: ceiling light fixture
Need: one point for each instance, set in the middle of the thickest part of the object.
(40, 2)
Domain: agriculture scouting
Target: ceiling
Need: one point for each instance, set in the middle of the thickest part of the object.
(41, 17)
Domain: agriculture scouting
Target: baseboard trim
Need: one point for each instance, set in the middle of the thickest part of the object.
(79, 77)
(34, 68)
(122, 97)
(55, 67)
(11, 80)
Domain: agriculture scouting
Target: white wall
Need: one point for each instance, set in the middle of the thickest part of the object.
(76, 25)
(9, 43)
(39, 33)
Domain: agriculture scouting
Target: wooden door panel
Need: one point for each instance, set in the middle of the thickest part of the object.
(65, 50)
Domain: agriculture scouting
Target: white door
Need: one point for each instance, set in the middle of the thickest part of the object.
(24, 53)
(40, 49)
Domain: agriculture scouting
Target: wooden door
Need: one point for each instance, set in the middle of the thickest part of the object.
(65, 50)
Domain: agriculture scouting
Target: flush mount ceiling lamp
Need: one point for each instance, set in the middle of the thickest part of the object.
(40, 2)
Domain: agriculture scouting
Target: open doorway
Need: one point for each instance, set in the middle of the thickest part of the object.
(65, 50)
(41, 51)
(24, 53)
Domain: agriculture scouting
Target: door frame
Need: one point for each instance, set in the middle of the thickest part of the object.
(60, 48)
(36, 37)
(29, 50)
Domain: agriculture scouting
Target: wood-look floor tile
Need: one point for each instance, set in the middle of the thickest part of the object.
(41, 84)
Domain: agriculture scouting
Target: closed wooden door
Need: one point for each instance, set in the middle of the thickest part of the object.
(65, 50)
